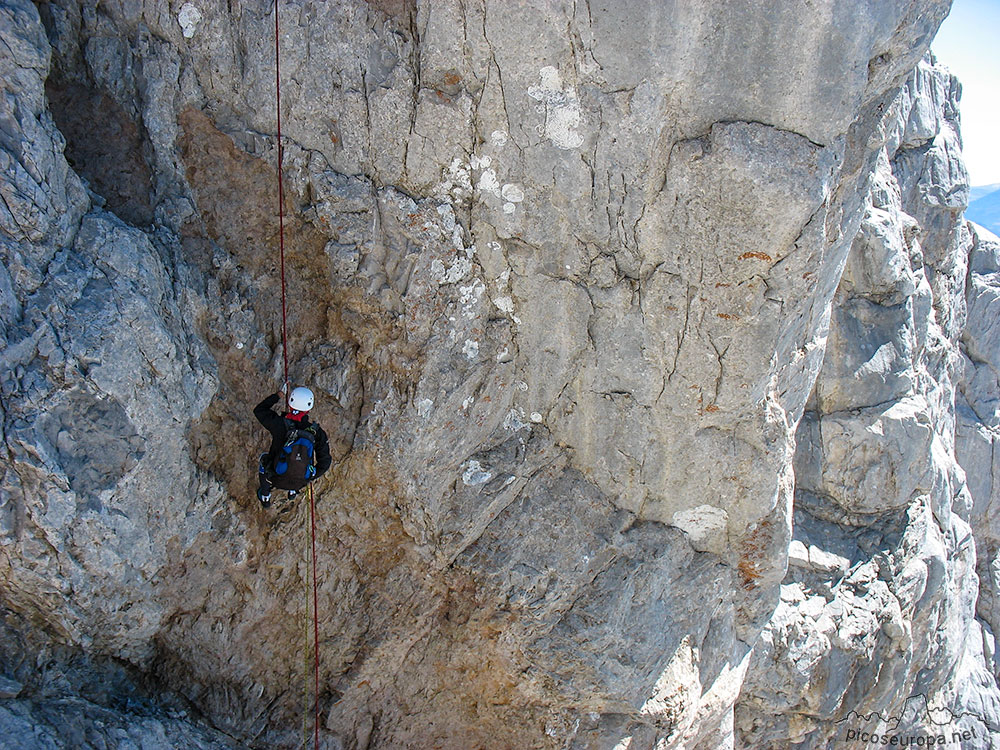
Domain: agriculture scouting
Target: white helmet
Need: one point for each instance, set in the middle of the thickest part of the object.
(301, 399)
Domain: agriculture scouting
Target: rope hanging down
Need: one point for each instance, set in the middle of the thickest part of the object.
(284, 356)
(281, 197)
(311, 659)
(312, 537)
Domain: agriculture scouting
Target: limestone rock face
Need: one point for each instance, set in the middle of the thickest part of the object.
(978, 421)
(563, 278)
(877, 612)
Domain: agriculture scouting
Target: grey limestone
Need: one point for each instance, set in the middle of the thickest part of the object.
(656, 358)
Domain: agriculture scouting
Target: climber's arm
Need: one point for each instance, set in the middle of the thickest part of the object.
(265, 414)
(323, 458)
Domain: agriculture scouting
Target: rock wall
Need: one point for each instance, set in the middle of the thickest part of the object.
(975, 433)
(879, 600)
(563, 278)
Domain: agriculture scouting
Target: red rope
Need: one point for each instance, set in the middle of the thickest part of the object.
(281, 202)
(284, 354)
(312, 522)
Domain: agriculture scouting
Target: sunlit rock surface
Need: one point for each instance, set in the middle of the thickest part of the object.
(636, 330)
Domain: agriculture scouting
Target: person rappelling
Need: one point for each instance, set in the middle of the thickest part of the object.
(300, 450)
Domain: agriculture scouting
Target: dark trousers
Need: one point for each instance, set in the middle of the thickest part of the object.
(264, 475)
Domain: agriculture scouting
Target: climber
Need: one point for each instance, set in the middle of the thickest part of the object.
(300, 450)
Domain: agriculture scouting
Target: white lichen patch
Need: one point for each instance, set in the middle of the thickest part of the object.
(458, 270)
(561, 107)
(514, 420)
(503, 280)
(488, 183)
(499, 138)
(505, 304)
(447, 214)
(471, 349)
(424, 407)
(189, 18)
(456, 184)
(469, 297)
(458, 175)
(475, 473)
(512, 193)
(403, 202)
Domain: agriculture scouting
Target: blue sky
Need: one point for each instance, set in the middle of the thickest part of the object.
(969, 44)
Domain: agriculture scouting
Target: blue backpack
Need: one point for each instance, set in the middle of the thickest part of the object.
(295, 465)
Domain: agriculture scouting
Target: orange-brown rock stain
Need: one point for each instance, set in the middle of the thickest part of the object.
(407, 646)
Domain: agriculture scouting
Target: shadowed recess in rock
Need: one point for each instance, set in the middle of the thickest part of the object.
(94, 442)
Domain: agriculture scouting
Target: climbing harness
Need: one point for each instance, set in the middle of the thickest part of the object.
(284, 355)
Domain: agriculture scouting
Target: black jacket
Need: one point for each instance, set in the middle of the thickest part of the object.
(278, 426)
